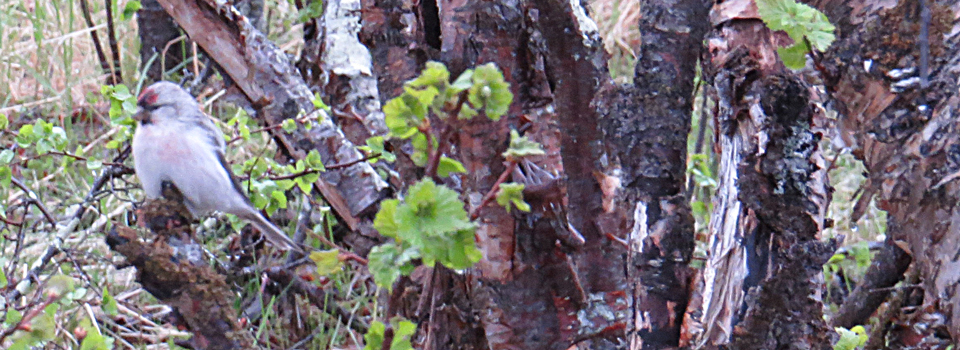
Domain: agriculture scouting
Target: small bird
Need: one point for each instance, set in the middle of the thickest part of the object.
(176, 142)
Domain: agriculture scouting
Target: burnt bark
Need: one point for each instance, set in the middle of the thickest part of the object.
(645, 127)
(759, 288)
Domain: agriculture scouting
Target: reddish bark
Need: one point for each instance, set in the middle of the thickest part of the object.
(900, 119)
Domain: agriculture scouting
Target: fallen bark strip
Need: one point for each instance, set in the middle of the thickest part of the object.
(268, 79)
(347, 64)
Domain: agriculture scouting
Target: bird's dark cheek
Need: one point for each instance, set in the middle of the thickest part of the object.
(143, 116)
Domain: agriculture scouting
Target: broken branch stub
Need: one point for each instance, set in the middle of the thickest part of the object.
(172, 268)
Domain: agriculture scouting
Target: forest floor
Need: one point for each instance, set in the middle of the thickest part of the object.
(50, 70)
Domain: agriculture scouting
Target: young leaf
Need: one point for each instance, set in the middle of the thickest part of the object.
(327, 261)
(490, 91)
(512, 193)
(131, 8)
(521, 147)
(289, 125)
(448, 166)
(383, 265)
(314, 161)
(109, 304)
(375, 145)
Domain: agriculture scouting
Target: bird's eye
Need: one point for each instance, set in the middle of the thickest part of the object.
(150, 108)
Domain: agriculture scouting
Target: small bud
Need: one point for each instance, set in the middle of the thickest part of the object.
(79, 333)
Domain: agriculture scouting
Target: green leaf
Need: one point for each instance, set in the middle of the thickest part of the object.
(6, 156)
(279, 198)
(317, 101)
(327, 261)
(4, 122)
(521, 147)
(433, 220)
(109, 304)
(795, 56)
(13, 316)
(434, 74)
(375, 336)
(400, 119)
(96, 341)
(463, 82)
(25, 136)
(850, 339)
(512, 193)
(448, 166)
(375, 145)
(385, 220)
(131, 8)
(60, 285)
(403, 329)
(419, 155)
(382, 261)
(490, 91)
(799, 21)
(289, 125)
(314, 161)
(93, 164)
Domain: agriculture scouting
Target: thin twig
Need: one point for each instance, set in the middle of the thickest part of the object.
(312, 171)
(114, 48)
(475, 212)
(34, 272)
(104, 65)
(32, 198)
(109, 174)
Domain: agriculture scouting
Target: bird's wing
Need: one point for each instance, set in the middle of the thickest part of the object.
(210, 130)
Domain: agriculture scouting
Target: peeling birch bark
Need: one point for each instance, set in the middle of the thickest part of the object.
(348, 70)
(906, 133)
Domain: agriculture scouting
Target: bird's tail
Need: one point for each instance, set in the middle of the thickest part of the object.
(271, 232)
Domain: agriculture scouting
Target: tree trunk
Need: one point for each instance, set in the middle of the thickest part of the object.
(894, 79)
(759, 288)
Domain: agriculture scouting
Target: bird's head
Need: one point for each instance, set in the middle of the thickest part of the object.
(163, 100)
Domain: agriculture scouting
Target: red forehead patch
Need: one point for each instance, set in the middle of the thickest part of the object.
(147, 97)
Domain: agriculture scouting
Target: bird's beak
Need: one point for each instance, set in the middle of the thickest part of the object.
(141, 115)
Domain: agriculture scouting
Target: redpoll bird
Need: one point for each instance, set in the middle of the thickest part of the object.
(176, 142)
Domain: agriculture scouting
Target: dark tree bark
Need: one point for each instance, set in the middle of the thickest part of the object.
(156, 29)
(172, 268)
(760, 284)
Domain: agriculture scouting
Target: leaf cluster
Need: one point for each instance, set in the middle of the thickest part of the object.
(430, 224)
